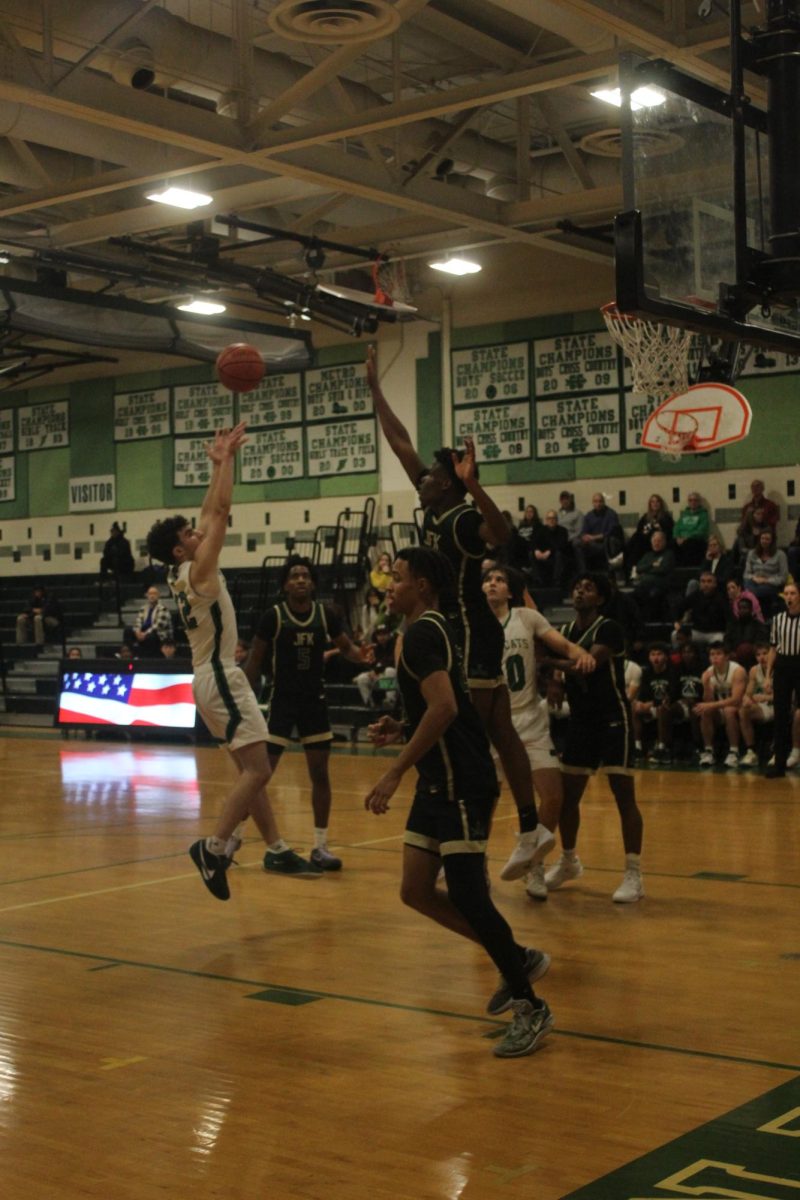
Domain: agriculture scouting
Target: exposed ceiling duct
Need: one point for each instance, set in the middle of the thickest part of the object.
(576, 30)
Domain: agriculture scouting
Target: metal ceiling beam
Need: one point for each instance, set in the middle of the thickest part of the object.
(439, 104)
(551, 119)
(124, 26)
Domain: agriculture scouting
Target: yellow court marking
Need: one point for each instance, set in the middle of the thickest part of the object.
(111, 1064)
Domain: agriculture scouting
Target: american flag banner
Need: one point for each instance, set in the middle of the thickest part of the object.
(141, 698)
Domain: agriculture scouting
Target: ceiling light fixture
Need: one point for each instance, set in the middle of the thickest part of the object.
(456, 266)
(206, 308)
(643, 97)
(180, 198)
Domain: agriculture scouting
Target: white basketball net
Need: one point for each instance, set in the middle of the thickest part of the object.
(659, 354)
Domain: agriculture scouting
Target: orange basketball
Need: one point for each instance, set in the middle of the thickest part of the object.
(240, 367)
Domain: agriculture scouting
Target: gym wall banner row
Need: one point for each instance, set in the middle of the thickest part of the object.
(560, 397)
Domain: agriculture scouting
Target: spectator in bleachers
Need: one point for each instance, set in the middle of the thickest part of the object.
(530, 524)
(656, 518)
(153, 625)
(654, 701)
(744, 633)
(117, 556)
(515, 551)
(706, 613)
(169, 649)
(736, 592)
(381, 574)
(748, 533)
(757, 500)
(718, 561)
(570, 517)
(549, 552)
(372, 683)
(654, 574)
(765, 571)
(600, 537)
(622, 608)
(42, 617)
(691, 532)
(74, 652)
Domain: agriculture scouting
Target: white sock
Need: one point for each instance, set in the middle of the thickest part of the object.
(709, 749)
(569, 854)
(633, 862)
(279, 847)
(320, 838)
(239, 830)
(216, 845)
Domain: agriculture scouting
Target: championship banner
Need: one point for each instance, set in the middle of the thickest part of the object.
(337, 392)
(276, 401)
(202, 408)
(637, 410)
(140, 415)
(502, 432)
(575, 362)
(577, 426)
(342, 448)
(7, 479)
(272, 454)
(43, 426)
(191, 465)
(6, 430)
(487, 373)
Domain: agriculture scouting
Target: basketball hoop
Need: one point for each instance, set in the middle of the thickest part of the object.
(680, 430)
(658, 354)
(389, 280)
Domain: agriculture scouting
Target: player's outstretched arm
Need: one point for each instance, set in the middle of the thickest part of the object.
(393, 428)
(353, 653)
(577, 658)
(494, 530)
(217, 504)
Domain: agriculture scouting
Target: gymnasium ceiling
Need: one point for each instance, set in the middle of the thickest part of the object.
(470, 125)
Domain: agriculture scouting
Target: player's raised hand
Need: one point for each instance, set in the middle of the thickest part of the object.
(465, 467)
(235, 438)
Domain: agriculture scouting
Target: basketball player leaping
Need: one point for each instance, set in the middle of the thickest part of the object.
(224, 697)
(462, 534)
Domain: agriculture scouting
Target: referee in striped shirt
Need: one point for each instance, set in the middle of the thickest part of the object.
(783, 668)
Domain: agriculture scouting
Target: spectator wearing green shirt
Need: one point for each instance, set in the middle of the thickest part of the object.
(691, 532)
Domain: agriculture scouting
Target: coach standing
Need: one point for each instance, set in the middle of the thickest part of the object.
(783, 668)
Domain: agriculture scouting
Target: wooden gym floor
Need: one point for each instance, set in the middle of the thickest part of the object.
(314, 1040)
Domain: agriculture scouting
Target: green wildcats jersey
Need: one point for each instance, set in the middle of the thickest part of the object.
(298, 642)
(209, 620)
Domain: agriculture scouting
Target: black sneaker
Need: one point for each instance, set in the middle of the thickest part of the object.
(775, 772)
(212, 868)
(288, 862)
(536, 964)
(321, 857)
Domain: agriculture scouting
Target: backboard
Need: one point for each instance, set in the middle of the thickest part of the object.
(688, 226)
(704, 417)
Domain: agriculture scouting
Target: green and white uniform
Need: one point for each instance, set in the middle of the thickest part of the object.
(222, 693)
(529, 713)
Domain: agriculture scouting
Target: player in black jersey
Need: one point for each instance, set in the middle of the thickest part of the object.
(290, 645)
(462, 533)
(456, 790)
(599, 735)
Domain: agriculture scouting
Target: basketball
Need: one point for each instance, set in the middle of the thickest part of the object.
(240, 367)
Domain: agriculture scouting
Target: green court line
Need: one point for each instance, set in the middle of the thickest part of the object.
(110, 961)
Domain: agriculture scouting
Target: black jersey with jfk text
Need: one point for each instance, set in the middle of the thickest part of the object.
(599, 696)
(659, 687)
(460, 765)
(298, 642)
(455, 535)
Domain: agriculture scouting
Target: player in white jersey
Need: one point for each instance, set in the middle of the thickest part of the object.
(757, 706)
(224, 697)
(724, 684)
(503, 589)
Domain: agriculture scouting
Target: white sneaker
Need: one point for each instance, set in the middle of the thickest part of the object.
(732, 758)
(707, 758)
(565, 868)
(793, 760)
(530, 849)
(631, 889)
(749, 759)
(535, 885)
